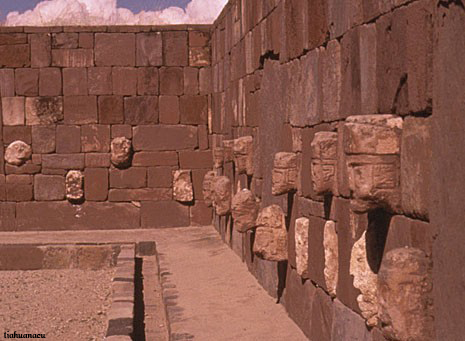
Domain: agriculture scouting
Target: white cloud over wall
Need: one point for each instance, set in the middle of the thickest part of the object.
(106, 12)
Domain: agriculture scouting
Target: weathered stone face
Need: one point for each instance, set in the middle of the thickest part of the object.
(244, 210)
(365, 280)
(221, 191)
(44, 110)
(218, 157)
(372, 148)
(182, 186)
(206, 188)
(228, 155)
(331, 257)
(243, 155)
(121, 152)
(405, 302)
(17, 153)
(271, 234)
(74, 186)
(324, 159)
(301, 245)
(285, 173)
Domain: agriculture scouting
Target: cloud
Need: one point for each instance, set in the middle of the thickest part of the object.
(106, 12)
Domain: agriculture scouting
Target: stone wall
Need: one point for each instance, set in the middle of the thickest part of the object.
(333, 214)
(122, 107)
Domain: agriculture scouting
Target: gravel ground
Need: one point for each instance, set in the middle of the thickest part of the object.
(62, 304)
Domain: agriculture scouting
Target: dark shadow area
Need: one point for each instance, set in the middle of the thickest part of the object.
(378, 227)
(249, 182)
(229, 228)
(252, 241)
(268, 55)
(290, 205)
(328, 199)
(282, 273)
(139, 309)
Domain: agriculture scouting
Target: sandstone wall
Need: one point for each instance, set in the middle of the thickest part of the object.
(284, 71)
(69, 92)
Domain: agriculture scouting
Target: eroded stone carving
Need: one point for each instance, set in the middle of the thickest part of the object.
(271, 234)
(243, 155)
(221, 191)
(182, 186)
(405, 302)
(74, 186)
(364, 280)
(17, 153)
(121, 152)
(228, 154)
(301, 245)
(372, 147)
(324, 160)
(285, 173)
(330, 244)
(218, 157)
(244, 210)
(44, 110)
(206, 188)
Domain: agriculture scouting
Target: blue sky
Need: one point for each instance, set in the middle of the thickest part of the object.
(134, 5)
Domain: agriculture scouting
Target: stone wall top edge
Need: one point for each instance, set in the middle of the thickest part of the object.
(105, 28)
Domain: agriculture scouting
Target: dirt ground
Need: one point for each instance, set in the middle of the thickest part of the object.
(62, 304)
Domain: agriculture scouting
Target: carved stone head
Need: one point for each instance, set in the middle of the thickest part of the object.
(372, 148)
(206, 188)
(243, 155)
(285, 173)
(121, 152)
(244, 210)
(221, 192)
(271, 235)
(17, 153)
(182, 186)
(74, 186)
(324, 158)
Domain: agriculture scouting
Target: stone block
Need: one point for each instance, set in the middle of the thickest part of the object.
(243, 155)
(205, 79)
(40, 50)
(147, 81)
(13, 133)
(368, 87)
(86, 40)
(15, 56)
(107, 43)
(350, 74)
(74, 186)
(110, 109)
(155, 214)
(182, 186)
(160, 177)
(324, 159)
(149, 49)
(301, 230)
(21, 258)
(221, 190)
(97, 160)
(330, 80)
(49, 187)
(206, 188)
(372, 148)
(271, 234)
(7, 215)
(343, 16)
(171, 81)
(322, 316)
(121, 130)
(348, 325)
(13, 38)
(164, 138)
(292, 29)
(169, 109)
(67, 40)
(96, 184)
(141, 110)
(244, 210)
(140, 194)
(50, 82)
(415, 169)
(124, 81)
(175, 48)
(191, 81)
(195, 159)
(7, 83)
(199, 38)
(17, 153)
(68, 139)
(27, 82)
(43, 139)
(193, 109)
(95, 138)
(317, 23)
(63, 161)
(80, 109)
(73, 57)
(13, 111)
(199, 56)
(75, 82)
(99, 81)
(19, 192)
(330, 244)
(405, 301)
(44, 110)
(197, 179)
(200, 214)
(285, 173)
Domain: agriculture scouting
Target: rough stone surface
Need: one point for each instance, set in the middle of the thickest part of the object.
(243, 155)
(13, 110)
(271, 234)
(404, 289)
(74, 186)
(121, 152)
(244, 209)
(372, 148)
(366, 281)
(218, 157)
(301, 245)
(221, 191)
(182, 186)
(206, 188)
(331, 257)
(324, 158)
(285, 173)
(17, 153)
(44, 110)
